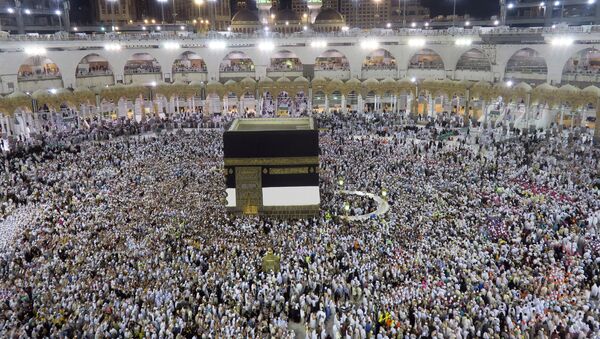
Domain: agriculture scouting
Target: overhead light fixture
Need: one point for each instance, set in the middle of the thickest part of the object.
(345, 28)
(561, 41)
(496, 22)
(511, 6)
(468, 23)
(10, 10)
(112, 47)
(509, 83)
(266, 46)
(318, 44)
(171, 45)
(27, 11)
(413, 25)
(53, 90)
(35, 50)
(388, 25)
(463, 42)
(556, 3)
(369, 44)
(217, 44)
(413, 80)
(417, 42)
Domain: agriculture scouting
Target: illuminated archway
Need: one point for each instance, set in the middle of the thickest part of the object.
(380, 59)
(38, 72)
(583, 67)
(332, 60)
(426, 59)
(527, 65)
(474, 60)
(93, 70)
(285, 61)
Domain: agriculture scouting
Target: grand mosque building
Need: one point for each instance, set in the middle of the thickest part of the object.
(281, 63)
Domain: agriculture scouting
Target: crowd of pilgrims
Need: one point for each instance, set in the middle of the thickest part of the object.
(128, 237)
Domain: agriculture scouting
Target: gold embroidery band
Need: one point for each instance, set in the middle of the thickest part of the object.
(271, 161)
(288, 170)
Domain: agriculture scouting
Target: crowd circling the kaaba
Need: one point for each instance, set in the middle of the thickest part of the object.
(108, 234)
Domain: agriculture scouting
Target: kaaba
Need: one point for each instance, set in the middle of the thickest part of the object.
(272, 167)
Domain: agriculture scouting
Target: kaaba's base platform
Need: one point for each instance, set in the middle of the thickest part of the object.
(280, 212)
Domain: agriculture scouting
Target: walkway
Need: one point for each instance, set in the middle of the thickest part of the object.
(382, 206)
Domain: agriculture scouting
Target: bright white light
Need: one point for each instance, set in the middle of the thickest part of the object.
(182, 28)
(463, 42)
(217, 44)
(369, 44)
(468, 23)
(305, 28)
(509, 83)
(496, 22)
(561, 41)
(427, 24)
(57, 12)
(112, 47)
(345, 28)
(318, 44)
(153, 84)
(556, 3)
(266, 28)
(75, 28)
(143, 28)
(417, 42)
(158, 28)
(10, 10)
(553, 26)
(511, 6)
(35, 50)
(287, 23)
(388, 25)
(102, 29)
(229, 29)
(414, 24)
(542, 4)
(266, 46)
(171, 45)
(28, 11)
(413, 80)
(591, 2)
(53, 90)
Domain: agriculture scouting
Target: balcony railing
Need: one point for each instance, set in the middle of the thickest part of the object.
(491, 30)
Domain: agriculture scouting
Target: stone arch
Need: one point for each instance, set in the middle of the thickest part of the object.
(526, 64)
(141, 63)
(332, 59)
(380, 59)
(236, 61)
(189, 62)
(94, 70)
(426, 59)
(38, 72)
(285, 60)
(474, 60)
(583, 67)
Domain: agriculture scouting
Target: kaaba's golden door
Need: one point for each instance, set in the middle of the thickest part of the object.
(248, 188)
